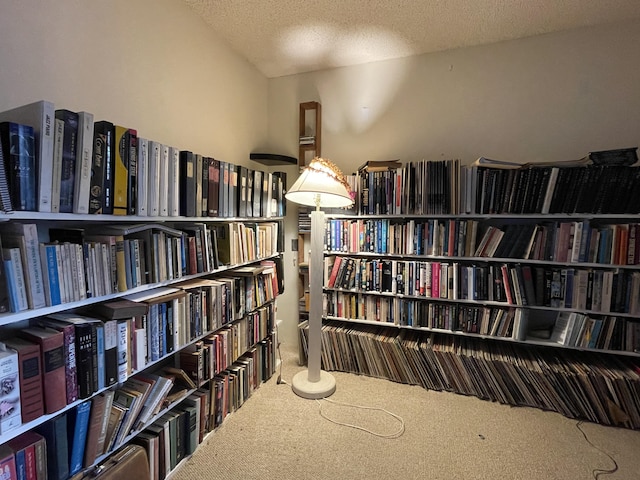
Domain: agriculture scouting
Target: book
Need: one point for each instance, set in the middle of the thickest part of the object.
(132, 190)
(106, 417)
(7, 463)
(122, 144)
(28, 446)
(163, 173)
(30, 376)
(187, 184)
(102, 186)
(98, 412)
(25, 237)
(55, 434)
(174, 182)
(153, 185)
(53, 365)
(69, 158)
(84, 158)
(10, 403)
(119, 309)
(41, 116)
(71, 374)
(143, 176)
(16, 280)
(5, 196)
(19, 151)
(56, 168)
(77, 428)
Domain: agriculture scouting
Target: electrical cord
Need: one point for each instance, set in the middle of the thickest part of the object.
(358, 427)
(596, 472)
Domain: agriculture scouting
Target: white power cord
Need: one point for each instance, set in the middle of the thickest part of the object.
(396, 434)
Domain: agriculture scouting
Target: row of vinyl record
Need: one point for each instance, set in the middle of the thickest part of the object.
(163, 411)
(81, 263)
(489, 187)
(561, 241)
(565, 328)
(566, 381)
(597, 290)
(58, 160)
(106, 343)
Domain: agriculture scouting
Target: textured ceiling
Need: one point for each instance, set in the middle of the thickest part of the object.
(282, 37)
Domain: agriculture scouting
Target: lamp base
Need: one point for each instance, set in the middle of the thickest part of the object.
(324, 387)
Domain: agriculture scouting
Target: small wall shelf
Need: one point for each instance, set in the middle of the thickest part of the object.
(310, 132)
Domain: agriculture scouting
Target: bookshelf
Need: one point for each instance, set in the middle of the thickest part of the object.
(549, 284)
(196, 290)
(309, 132)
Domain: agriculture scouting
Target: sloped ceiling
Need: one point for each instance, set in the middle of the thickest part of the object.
(283, 37)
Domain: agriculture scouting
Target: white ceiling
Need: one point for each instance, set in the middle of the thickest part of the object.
(282, 37)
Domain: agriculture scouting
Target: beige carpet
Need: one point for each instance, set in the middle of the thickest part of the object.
(277, 435)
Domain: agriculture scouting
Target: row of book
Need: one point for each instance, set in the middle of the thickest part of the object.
(167, 444)
(58, 160)
(590, 289)
(495, 187)
(565, 328)
(77, 263)
(106, 343)
(561, 241)
(560, 380)
(163, 411)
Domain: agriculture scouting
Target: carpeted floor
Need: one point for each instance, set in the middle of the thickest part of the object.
(277, 435)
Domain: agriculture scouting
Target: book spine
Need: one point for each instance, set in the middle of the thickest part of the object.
(120, 170)
(19, 145)
(163, 173)
(78, 436)
(5, 195)
(174, 182)
(143, 176)
(69, 149)
(132, 190)
(56, 169)
(123, 346)
(84, 154)
(153, 205)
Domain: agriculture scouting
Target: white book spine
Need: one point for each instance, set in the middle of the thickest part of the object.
(153, 187)
(84, 156)
(143, 176)
(56, 170)
(174, 182)
(163, 191)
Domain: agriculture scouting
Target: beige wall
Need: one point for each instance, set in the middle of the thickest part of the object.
(547, 98)
(153, 65)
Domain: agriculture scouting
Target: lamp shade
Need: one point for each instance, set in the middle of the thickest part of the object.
(321, 184)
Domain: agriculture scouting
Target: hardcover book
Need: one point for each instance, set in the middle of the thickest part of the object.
(30, 371)
(55, 433)
(28, 447)
(53, 365)
(84, 154)
(7, 463)
(19, 150)
(10, 416)
(122, 144)
(71, 372)
(77, 428)
(69, 155)
(5, 196)
(41, 116)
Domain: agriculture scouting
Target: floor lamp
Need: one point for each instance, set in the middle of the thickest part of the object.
(321, 184)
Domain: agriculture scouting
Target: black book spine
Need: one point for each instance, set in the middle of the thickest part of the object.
(204, 208)
(187, 184)
(18, 145)
(69, 147)
(101, 195)
(132, 192)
